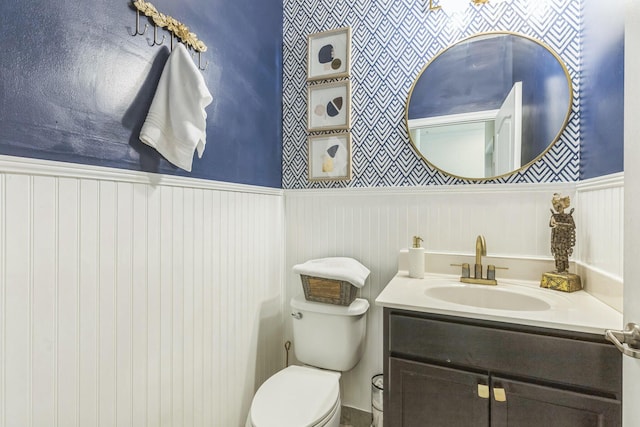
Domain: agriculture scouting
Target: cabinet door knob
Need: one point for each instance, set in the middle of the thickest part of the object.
(499, 395)
(483, 391)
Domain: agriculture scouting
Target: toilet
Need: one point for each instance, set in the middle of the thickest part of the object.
(328, 339)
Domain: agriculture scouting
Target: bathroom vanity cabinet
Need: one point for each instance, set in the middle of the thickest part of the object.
(451, 371)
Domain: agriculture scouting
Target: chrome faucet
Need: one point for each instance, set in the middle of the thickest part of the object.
(490, 279)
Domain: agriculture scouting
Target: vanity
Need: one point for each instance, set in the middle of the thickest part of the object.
(474, 349)
(458, 354)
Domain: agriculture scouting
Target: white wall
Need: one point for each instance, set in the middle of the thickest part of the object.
(131, 299)
(631, 366)
(373, 225)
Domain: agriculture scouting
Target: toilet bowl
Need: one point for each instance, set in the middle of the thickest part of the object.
(325, 336)
(297, 396)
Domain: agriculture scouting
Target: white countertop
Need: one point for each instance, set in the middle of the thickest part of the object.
(575, 311)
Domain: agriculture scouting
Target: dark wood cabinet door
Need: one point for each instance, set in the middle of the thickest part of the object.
(422, 395)
(531, 405)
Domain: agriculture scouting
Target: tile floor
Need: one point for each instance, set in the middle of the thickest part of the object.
(350, 417)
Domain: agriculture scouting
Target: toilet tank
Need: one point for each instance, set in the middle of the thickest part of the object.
(329, 336)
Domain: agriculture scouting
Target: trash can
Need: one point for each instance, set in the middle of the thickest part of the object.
(377, 387)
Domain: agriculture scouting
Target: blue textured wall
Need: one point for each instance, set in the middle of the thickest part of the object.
(602, 106)
(76, 87)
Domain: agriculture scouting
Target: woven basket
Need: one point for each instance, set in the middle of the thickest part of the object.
(329, 291)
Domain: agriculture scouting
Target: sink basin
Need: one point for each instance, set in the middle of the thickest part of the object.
(490, 297)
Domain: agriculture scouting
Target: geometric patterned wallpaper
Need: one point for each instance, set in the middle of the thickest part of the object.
(391, 42)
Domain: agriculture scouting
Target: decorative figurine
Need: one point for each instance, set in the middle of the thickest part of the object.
(563, 238)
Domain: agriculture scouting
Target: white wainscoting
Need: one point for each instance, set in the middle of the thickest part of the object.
(135, 299)
(599, 219)
(373, 225)
(143, 300)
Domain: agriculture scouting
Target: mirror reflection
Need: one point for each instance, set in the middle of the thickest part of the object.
(489, 105)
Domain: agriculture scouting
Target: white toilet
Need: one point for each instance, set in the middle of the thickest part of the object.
(326, 336)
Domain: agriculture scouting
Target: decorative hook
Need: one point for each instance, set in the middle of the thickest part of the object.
(155, 37)
(138, 33)
(199, 63)
(200, 60)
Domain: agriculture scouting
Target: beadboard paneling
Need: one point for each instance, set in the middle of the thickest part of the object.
(373, 225)
(600, 223)
(135, 304)
(600, 237)
(131, 303)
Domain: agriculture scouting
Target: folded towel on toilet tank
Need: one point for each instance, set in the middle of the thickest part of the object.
(335, 268)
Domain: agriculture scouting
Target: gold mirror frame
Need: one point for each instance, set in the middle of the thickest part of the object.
(521, 168)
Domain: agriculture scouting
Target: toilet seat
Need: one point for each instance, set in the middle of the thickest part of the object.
(297, 396)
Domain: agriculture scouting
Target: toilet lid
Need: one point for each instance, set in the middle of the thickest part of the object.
(295, 397)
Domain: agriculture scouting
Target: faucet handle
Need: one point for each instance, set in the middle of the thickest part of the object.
(466, 270)
(491, 272)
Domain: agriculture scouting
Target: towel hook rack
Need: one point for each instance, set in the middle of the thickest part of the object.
(137, 32)
(173, 26)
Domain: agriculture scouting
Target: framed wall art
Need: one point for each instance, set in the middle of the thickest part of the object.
(328, 54)
(330, 157)
(329, 106)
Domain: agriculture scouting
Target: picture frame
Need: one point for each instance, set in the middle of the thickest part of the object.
(329, 157)
(329, 106)
(329, 54)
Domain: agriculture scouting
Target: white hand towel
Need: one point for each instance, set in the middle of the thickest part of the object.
(177, 121)
(335, 268)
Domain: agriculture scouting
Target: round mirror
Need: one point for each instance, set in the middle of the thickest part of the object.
(489, 105)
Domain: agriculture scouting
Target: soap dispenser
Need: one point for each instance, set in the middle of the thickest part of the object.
(416, 259)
